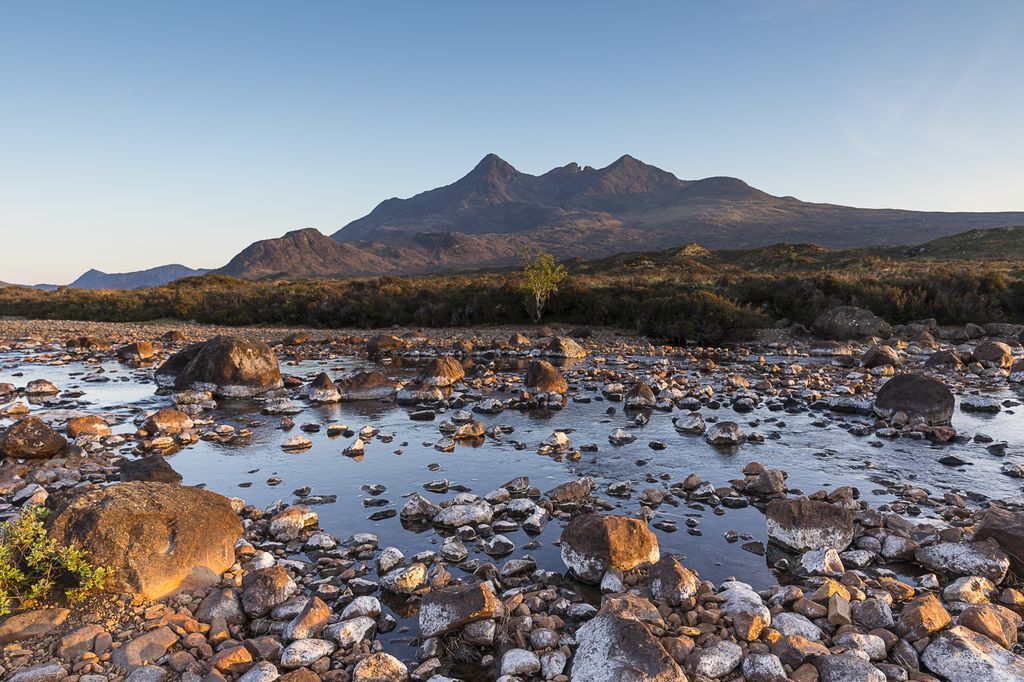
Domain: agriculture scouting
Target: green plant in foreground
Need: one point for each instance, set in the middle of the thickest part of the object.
(35, 570)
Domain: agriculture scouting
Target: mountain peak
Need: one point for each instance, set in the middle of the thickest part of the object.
(493, 162)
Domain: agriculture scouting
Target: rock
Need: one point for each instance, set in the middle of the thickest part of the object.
(41, 387)
(322, 390)
(152, 468)
(803, 524)
(848, 322)
(419, 508)
(167, 421)
(689, 423)
(465, 514)
(1007, 529)
(993, 354)
(996, 622)
(380, 667)
(880, 356)
(91, 425)
(822, 562)
(266, 588)
(916, 396)
(289, 524)
(227, 366)
(923, 617)
(222, 603)
(367, 386)
(794, 624)
(542, 376)
(972, 589)
(715, 660)
(144, 649)
(352, 631)
(264, 671)
(847, 668)
(640, 396)
(31, 438)
(80, 640)
(442, 371)
(962, 655)
(448, 609)
(31, 623)
(591, 544)
(564, 347)
(44, 672)
(614, 648)
(157, 538)
(139, 351)
(763, 668)
(309, 622)
(519, 662)
(408, 580)
(965, 558)
(383, 343)
(725, 433)
(671, 582)
(305, 652)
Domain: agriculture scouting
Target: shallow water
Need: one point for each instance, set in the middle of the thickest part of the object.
(815, 456)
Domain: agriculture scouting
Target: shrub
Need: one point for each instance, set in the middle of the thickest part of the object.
(35, 570)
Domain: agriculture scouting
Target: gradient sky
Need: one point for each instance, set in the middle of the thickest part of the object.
(134, 134)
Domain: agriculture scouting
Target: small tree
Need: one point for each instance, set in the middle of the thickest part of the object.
(541, 277)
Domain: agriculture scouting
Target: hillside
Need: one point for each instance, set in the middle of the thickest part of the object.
(153, 277)
(994, 244)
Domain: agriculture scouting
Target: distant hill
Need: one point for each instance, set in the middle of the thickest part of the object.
(1000, 243)
(95, 279)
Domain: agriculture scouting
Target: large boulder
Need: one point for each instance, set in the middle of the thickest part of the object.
(564, 347)
(367, 386)
(615, 646)
(803, 524)
(962, 655)
(448, 609)
(849, 322)
(442, 371)
(227, 366)
(1006, 528)
(322, 390)
(917, 396)
(993, 354)
(592, 544)
(158, 538)
(880, 356)
(983, 559)
(542, 376)
(31, 438)
(88, 425)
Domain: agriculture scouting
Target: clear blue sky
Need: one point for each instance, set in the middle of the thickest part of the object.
(134, 134)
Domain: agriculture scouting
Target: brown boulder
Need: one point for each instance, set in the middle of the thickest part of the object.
(592, 544)
(442, 371)
(849, 322)
(157, 538)
(228, 366)
(367, 386)
(91, 425)
(31, 438)
(879, 356)
(803, 524)
(993, 354)
(138, 351)
(167, 420)
(542, 376)
(448, 609)
(917, 396)
(1007, 529)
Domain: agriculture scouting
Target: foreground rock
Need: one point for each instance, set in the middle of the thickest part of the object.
(802, 524)
(157, 538)
(962, 655)
(31, 438)
(592, 544)
(227, 366)
(915, 397)
(618, 647)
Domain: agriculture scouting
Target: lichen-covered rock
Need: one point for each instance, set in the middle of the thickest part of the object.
(158, 538)
(965, 558)
(367, 386)
(962, 655)
(446, 610)
(849, 322)
(803, 524)
(591, 544)
(617, 648)
(31, 438)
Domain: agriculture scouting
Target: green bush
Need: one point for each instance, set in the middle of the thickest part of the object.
(36, 571)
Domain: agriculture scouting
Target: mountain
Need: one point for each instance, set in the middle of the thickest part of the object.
(489, 217)
(95, 279)
(1001, 243)
(663, 210)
